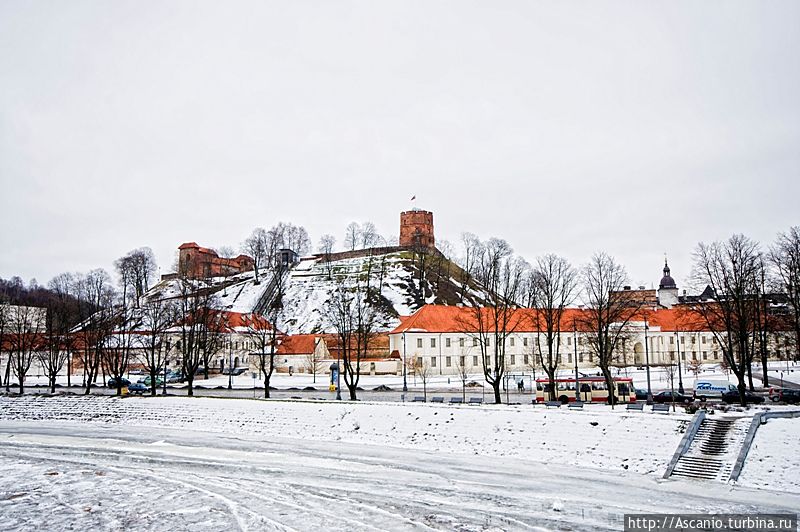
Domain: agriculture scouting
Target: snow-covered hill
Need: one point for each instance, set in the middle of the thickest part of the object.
(404, 280)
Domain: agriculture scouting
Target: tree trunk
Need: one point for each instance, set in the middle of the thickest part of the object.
(496, 388)
(612, 396)
(750, 377)
(190, 381)
(266, 385)
(352, 389)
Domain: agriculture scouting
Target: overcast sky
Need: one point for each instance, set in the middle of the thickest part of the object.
(637, 128)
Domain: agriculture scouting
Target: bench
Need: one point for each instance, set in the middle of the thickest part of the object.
(475, 401)
(418, 399)
(661, 408)
(576, 406)
(456, 400)
(437, 399)
(556, 404)
(635, 406)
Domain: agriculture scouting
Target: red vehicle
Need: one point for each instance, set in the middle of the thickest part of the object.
(592, 390)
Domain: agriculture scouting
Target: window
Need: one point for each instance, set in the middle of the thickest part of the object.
(683, 356)
(475, 360)
(580, 358)
(705, 355)
(460, 342)
(419, 343)
(487, 341)
(474, 342)
(591, 358)
(512, 360)
(447, 362)
(433, 362)
(704, 339)
(462, 361)
(512, 342)
(525, 341)
(672, 356)
(569, 341)
(488, 361)
(569, 358)
(716, 356)
(433, 342)
(525, 359)
(447, 342)
(694, 339)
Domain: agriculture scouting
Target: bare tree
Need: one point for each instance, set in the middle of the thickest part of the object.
(354, 320)
(326, 245)
(117, 347)
(369, 235)
(502, 274)
(423, 370)
(136, 271)
(472, 247)
(464, 373)
(96, 297)
(257, 246)
(313, 360)
(730, 271)
(608, 312)
(554, 283)
(196, 316)
(264, 336)
(292, 237)
(352, 236)
(156, 319)
(25, 340)
(5, 317)
(785, 256)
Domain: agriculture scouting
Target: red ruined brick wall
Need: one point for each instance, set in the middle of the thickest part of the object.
(417, 227)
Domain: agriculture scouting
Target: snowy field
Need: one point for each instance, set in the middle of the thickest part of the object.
(212, 464)
(773, 460)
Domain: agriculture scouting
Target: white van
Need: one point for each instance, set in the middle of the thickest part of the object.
(705, 388)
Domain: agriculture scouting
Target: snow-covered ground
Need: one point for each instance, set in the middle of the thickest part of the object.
(211, 464)
(773, 460)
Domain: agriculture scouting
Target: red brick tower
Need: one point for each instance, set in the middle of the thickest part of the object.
(416, 228)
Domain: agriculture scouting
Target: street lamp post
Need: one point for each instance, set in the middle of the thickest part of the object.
(405, 382)
(164, 384)
(230, 364)
(680, 377)
(575, 347)
(647, 364)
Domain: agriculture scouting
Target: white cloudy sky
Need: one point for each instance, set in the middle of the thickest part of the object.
(637, 128)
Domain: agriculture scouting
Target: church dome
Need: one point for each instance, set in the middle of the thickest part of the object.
(667, 281)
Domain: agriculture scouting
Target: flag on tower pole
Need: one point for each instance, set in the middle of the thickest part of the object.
(413, 197)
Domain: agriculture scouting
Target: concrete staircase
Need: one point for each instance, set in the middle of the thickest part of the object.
(714, 449)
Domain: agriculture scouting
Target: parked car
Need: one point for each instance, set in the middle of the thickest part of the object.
(175, 376)
(787, 395)
(147, 380)
(733, 397)
(669, 397)
(641, 395)
(112, 382)
(235, 371)
(138, 387)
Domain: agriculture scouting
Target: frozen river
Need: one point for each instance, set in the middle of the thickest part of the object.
(65, 474)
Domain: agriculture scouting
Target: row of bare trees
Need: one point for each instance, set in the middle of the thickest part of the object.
(748, 293)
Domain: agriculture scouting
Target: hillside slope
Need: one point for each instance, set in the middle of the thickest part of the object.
(406, 281)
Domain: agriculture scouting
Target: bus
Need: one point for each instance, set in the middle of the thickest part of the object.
(592, 390)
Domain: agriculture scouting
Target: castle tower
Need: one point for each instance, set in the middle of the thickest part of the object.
(416, 228)
(667, 290)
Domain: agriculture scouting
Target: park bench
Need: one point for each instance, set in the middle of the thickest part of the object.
(635, 406)
(475, 401)
(456, 400)
(575, 406)
(556, 404)
(661, 408)
(418, 399)
(437, 399)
